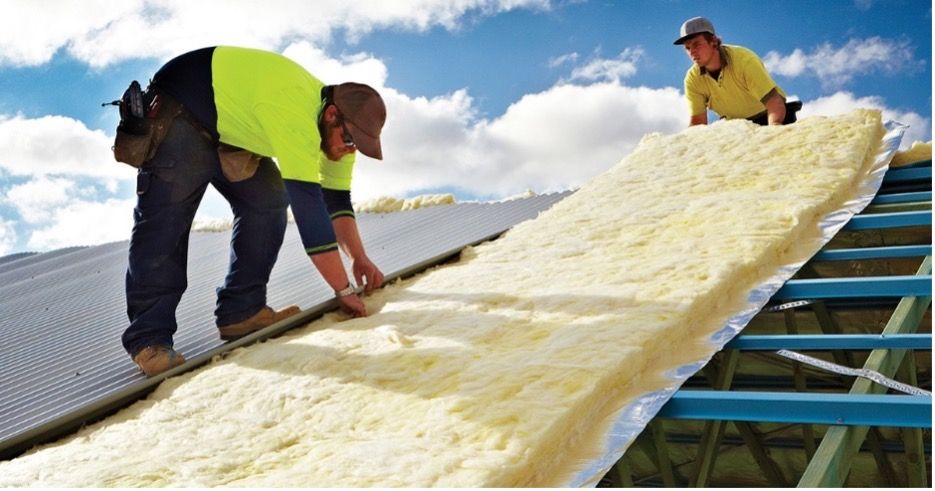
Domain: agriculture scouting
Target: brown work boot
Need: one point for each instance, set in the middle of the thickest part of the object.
(265, 317)
(154, 360)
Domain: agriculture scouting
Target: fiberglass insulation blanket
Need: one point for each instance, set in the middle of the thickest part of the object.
(499, 369)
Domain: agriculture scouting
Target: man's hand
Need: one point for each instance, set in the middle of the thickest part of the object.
(352, 305)
(698, 119)
(364, 269)
(775, 107)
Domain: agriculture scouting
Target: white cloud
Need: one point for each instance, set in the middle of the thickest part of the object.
(37, 200)
(920, 128)
(561, 60)
(835, 67)
(358, 67)
(609, 69)
(56, 145)
(7, 236)
(548, 141)
(57, 153)
(85, 223)
(101, 32)
(31, 32)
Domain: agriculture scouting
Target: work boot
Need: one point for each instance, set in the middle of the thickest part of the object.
(265, 317)
(154, 360)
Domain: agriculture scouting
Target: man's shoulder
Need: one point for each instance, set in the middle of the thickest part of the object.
(740, 53)
(693, 72)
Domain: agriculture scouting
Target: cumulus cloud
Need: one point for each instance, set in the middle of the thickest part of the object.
(71, 176)
(920, 127)
(549, 141)
(607, 69)
(358, 67)
(37, 200)
(835, 67)
(102, 32)
(84, 223)
(56, 145)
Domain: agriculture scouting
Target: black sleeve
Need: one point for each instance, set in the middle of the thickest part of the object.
(311, 216)
(338, 203)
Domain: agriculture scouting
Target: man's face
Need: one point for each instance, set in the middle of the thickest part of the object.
(332, 139)
(700, 50)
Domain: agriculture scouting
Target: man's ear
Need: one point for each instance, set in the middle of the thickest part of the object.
(331, 114)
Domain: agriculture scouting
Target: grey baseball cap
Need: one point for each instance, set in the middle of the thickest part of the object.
(695, 25)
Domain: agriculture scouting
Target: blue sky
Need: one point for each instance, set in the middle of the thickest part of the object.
(487, 98)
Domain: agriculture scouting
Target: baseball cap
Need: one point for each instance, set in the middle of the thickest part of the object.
(364, 114)
(695, 25)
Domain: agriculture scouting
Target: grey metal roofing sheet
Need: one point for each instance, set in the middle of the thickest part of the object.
(62, 312)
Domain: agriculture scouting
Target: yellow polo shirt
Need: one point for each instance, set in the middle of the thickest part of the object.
(738, 90)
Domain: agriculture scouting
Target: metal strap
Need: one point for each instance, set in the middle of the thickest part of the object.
(854, 372)
(788, 305)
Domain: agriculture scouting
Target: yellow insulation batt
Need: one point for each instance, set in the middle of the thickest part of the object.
(387, 204)
(499, 369)
(919, 151)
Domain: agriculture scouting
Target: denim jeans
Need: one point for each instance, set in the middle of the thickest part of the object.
(169, 188)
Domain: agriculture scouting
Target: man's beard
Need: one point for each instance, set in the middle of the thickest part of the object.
(325, 130)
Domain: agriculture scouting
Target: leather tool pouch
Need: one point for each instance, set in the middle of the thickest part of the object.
(237, 164)
(145, 118)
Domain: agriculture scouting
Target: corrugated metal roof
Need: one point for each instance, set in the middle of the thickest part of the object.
(62, 312)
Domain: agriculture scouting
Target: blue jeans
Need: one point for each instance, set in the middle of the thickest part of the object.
(169, 188)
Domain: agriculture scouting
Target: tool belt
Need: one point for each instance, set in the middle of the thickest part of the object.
(145, 119)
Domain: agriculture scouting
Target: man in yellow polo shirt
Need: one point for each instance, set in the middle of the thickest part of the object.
(730, 80)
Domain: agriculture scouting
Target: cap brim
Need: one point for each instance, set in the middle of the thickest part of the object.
(368, 145)
(682, 39)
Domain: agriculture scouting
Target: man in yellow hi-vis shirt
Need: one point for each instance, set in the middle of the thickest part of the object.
(730, 80)
(240, 108)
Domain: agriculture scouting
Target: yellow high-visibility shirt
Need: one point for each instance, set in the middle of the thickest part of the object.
(269, 105)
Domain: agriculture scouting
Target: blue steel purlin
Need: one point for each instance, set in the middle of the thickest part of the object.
(821, 342)
(862, 287)
(911, 174)
(873, 253)
(885, 199)
(890, 220)
(791, 407)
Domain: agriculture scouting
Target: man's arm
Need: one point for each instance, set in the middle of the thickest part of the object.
(775, 107)
(344, 223)
(320, 240)
(345, 228)
(696, 99)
